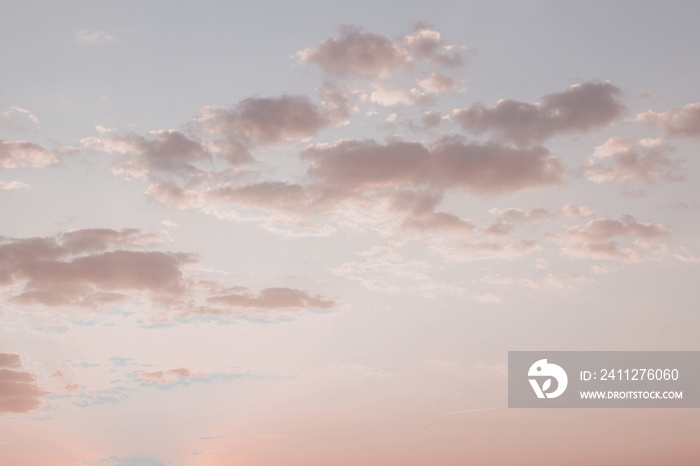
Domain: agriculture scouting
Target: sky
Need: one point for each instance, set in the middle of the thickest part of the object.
(308, 233)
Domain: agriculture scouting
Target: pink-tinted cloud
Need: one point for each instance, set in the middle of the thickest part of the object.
(620, 159)
(481, 169)
(402, 183)
(607, 239)
(604, 228)
(12, 185)
(101, 239)
(14, 154)
(273, 195)
(75, 269)
(10, 360)
(417, 212)
(427, 44)
(550, 281)
(336, 105)
(579, 108)
(498, 228)
(679, 122)
(90, 269)
(487, 250)
(168, 153)
(273, 298)
(430, 88)
(19, 391)
(540, 215)
(170, 377)
(273, 120)
(357, 53)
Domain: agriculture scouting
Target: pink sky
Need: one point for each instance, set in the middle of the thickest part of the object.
(312, 237)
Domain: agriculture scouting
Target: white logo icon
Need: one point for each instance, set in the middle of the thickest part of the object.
(543, 369)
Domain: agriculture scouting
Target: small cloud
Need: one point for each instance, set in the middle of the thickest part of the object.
(12, 185)
(102, 130)
(93, 37)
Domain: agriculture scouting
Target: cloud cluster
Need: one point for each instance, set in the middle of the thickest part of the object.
(579, 108)
(621, 159)
(404, 179)
(19, 391)
(91, 269)
(365, 55)
(679, 122)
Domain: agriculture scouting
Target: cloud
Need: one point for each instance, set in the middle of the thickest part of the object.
(336, 105)
(14, 154)
(550, 281)
(19, 391)
(12, 185)
(540, 215)
(273, 298)
(487, 250)
(165, 153)
(480, 169)
(417, 212)
(620, 159)
(100, 239)
(274, 120)
(437, 83)
(87, 37)
(427, 44)
(170, 377)
(604, 229)
(681, 122)
(432, 86)
(90, 269)
(392, 97)
(579, 108)
(10, 360)
(359, 54)
(600, 239)
(393, 184)
(76, 269)
(18, 119)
